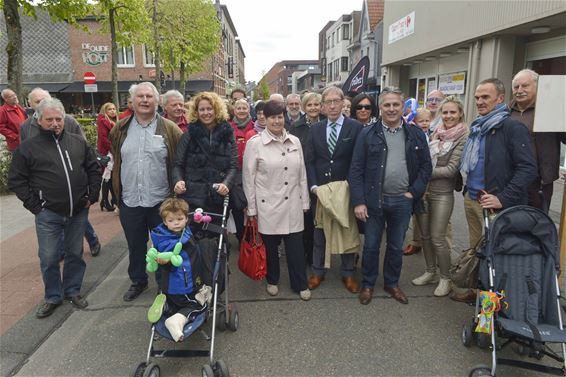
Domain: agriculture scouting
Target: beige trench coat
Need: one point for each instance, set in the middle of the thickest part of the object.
(275, 183)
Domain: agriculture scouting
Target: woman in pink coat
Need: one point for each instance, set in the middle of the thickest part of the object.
(275, 184)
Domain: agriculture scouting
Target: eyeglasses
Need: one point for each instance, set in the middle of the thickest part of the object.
(365, 107)
(434, 100)
(329, 102)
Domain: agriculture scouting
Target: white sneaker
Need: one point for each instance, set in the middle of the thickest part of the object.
(426, 278)
(444, 287)
(273, 290)
(175, 325)
(305, 295)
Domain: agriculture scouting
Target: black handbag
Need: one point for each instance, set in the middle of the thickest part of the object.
(238, 199)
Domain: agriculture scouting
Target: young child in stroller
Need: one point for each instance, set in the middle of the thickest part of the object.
(177, 257)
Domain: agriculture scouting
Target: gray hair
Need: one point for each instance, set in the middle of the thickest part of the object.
(390, 90)
(241, 101)
(4, 92)
(309, 97)
(35, 91)
(133, 89)
(292, 95)
(172, 94)
(49, 103)
(277, 97)
(332, 89)
(499, 86)
(532, 73)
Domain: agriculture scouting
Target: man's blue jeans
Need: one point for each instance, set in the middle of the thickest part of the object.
(49, 226)
(394, 217)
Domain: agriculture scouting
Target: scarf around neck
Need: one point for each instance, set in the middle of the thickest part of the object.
(479, 128)
(258, 127)
(443, 139)
(242, 124)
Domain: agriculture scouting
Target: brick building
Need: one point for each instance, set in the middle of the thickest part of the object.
(279, 78)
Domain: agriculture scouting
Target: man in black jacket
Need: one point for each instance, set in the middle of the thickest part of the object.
(390, 170)
(56, 176)
(329, 149)
(498, 162)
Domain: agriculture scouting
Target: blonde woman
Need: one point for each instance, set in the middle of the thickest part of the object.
(446, 146)
(207, 158)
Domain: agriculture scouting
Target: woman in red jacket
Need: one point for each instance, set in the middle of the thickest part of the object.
(106, 120)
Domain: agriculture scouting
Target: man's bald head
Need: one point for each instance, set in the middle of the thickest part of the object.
(36, 96)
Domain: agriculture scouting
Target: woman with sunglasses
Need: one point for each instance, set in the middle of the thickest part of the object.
(364, 109)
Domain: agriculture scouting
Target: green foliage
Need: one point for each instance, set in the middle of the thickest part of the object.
(5, 161)
(131, 18)
(263, 91)
(89, 128)
(189, 32)
(59, 10)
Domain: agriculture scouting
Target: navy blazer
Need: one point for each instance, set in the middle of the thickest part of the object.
(368, 165)
(323, 168)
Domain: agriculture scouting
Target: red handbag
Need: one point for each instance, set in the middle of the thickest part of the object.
(252, 260)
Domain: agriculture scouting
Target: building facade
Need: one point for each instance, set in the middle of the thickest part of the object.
(279, 78)
(338, 36)
(57, 56)
(481, 40)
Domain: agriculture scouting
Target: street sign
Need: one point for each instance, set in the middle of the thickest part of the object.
(91, 88)
(89, 78)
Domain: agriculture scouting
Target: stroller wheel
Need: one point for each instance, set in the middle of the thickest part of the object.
(140, 369)
(207, 371)
(152, 370)
(222, 369)
(480, 370)
(467, 335)
(234, 320)
(221, 321)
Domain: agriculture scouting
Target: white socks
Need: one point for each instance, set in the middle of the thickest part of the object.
(175, 325)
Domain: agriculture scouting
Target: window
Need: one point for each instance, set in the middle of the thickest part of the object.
(328, 43)
(330, 77)
(336, 69)
(333, 39)
(346, 32)
(345, 67)
(126, 56)
(148, 58)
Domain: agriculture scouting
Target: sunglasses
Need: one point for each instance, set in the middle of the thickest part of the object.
(365, 107)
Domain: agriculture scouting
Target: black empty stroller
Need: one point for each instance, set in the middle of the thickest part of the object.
(520, 263)
(212, 244)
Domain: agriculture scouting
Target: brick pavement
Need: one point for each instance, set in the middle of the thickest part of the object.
(21, 286)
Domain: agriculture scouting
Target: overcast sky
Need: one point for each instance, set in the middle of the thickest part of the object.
(275, 30)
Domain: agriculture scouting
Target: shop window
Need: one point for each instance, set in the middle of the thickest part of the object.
(148, 57)
(344, 64)
(126, 56)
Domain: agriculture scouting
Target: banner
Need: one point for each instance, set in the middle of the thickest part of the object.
(357, 80)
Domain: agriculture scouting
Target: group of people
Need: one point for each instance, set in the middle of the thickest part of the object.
(316, 171)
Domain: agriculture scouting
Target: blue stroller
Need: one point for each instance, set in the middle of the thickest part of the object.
(520, 264)
(213, 246)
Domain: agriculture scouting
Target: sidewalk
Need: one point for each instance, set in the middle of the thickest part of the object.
(21, 286)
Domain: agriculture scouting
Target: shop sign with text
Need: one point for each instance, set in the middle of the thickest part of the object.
(94, 55)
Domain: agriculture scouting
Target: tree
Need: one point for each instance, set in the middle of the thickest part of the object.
(263, 90)
(127, 21)
(58, 10)
(189, 33)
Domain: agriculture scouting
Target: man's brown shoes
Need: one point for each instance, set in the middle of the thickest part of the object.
(314, 281)
(397, 294)
(366, 295)
(411, 249)
(351, 284)
(469, 297)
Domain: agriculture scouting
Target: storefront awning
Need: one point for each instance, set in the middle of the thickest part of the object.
(192, 86)
(52, 87)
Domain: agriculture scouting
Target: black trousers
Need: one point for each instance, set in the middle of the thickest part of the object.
(308, 236)
(238, 216)
(295, 259)
(137, 222)
(540, 195)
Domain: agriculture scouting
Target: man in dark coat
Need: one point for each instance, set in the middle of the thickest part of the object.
(56, 176)
(390, 170)
(498, 163)
(329, 151)
(546, 145)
